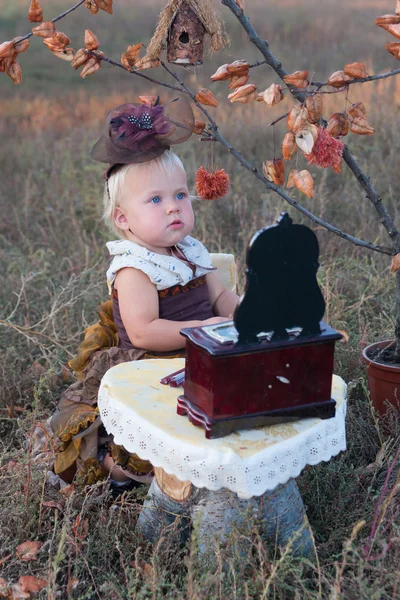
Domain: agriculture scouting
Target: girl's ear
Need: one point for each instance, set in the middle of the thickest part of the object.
(120, 219)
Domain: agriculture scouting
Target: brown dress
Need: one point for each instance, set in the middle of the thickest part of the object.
(76, 422)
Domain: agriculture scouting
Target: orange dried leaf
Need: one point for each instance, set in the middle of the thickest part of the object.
(244, 93)
(14, 72)
(238, 81)
(147, 63)
(7, 49)
(59, 41)
(289, 145)
(44, 30)
(20, 46)
(274, 170)
(90, 67)
(106, 5)
(273, 95)
(297, 118)
(304, 182)
(80, 58)
(32, 584)
(81, 527)
(298, 79)
(355, 70)
(91, 40)
(338, 79)
(314, 106)
(338, 125)
(204, 96)
(151, 100)
(92, 6)
(65, 54)
(17, 593)
(290, 182)
(345, 335)
(393, 29)
(394, 49)
(199, 127)
(387, 20)
(131, 56)
(238, 67)
(361, 126)
(357, 110)
(35, 14)
(395, 264)
(28, 550)
(221, 74)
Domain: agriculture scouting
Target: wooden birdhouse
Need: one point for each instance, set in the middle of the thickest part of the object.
(185, 27)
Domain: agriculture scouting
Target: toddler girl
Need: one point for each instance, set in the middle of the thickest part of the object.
(161, 279)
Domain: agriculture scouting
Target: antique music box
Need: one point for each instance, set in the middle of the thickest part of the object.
(274, 362)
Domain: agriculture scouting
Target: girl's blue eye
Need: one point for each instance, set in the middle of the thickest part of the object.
(180, 196)
(156, 200)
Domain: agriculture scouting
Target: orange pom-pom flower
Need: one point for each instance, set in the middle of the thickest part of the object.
(211, 185)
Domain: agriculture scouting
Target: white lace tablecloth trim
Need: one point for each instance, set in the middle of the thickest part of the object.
(315, 440)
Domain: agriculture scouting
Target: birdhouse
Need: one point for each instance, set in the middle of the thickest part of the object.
(186, 37)
(183, 27)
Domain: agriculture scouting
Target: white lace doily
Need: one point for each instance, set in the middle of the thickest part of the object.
(141, 414)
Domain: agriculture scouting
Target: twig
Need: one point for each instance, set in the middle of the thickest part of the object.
(361, 79)
(64, 14)
(27, 331)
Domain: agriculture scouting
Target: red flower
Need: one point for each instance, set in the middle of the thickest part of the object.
(327, 151)
(212, 185)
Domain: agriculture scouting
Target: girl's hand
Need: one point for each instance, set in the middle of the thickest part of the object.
(215, 320)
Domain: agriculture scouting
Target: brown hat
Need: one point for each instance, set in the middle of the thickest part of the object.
(136, 133)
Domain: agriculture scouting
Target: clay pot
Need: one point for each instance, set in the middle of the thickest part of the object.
(383, 380)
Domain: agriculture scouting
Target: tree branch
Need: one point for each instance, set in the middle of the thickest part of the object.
(64, 14)
(385, 218)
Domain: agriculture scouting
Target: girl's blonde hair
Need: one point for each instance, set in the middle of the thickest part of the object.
(112, 196)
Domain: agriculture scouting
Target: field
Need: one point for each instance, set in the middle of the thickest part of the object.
(53, 261)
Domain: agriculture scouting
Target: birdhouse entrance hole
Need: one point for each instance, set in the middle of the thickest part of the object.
(184, 37)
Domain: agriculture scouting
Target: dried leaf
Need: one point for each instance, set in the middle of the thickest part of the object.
(297, 118)
(4, 589)
(17, 592)
(274, 170)
(314, 106)
(273, 95)
(44, 30)
(59, 41)
(20, 46)
(53, 504)
(147, 63)
(244, 93)
(81, 528)
(345, 335)
(338, 79)
(106, 5)
(29, 583)
(28, 550)
(204, 96)
(298, 79)
(338, 125)
(397, 11)
(14, 72)
(68, 490)
(357, 110)
(71, 585)
(238, 67)
(305, 138)
(355, 70)
(131, 56)
(92, 6)
(391, 28)
(238, 81)
(80, 58)
(66, 54)
(2, 561)
(91, 40)
(35, 14)
(90, 67)
(290, 182)
(199, 127)
(7, 49)
(394, 49)
(388, 20)
(289, 145)
(361, 126)
(221, 74)
(395, 264)
(304, 182)
(240, 3)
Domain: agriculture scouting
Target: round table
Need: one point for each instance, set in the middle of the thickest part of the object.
(141, 414)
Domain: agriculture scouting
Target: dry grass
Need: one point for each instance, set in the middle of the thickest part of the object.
(53, 260)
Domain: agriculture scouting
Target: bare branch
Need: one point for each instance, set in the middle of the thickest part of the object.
(64, 14)
(363, 79)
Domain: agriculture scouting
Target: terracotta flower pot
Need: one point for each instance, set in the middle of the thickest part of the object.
(383, 380)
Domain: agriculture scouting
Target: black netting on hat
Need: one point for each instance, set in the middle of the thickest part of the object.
(136, 133)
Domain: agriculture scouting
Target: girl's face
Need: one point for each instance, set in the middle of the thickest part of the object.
(156, 210)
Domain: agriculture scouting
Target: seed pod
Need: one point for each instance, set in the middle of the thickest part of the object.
(58, 42)
(151, 100)
(355, 70)
(238, 67)
(314, 105)
(395, 264)
(7, 49)
(20, 46)
(90, 67)
(361, 126)
(387, 20)
(147, 63)
(204, 96)
(80, 58)
(393, 29)
(238, 81)
(221, 74)
(338, 125)
(289, 145)
(394, 48)
(338, 79)
(273, 95)
(91, 40)
(305, 139)
(65, 54)
(357, 110)
(199, 127)
(304, 182)
(35, 14)
(290, 182)
(44, 30)
(14, 72)
(92, 6)
(131, 56)
(106, 5)
(297, 118)
(245, 93)
(297, 79)
(274, 170)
